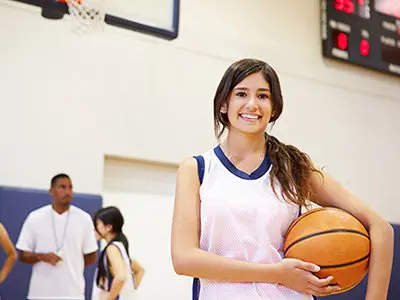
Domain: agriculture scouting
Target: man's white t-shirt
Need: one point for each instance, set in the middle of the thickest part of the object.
(46, 231)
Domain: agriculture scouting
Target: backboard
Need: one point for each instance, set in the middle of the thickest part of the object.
(159, 18)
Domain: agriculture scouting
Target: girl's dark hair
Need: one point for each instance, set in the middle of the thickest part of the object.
(291, 167)
(109, 216)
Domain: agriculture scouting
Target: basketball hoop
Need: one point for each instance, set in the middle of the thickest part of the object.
(87, 15)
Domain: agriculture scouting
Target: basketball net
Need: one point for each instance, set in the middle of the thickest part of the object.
(87, 15)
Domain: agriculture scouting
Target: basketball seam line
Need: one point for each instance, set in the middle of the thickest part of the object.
(303, 216)
(324, 232)
(345, 289)
(345, 264)
(315, 210)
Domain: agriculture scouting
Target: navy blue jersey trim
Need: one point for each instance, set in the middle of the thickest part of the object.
(109, 279)
(200, 167)
(259, 172)
(200, 172)
(195, 289)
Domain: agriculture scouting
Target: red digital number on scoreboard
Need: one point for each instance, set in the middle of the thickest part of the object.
(345, 5)
(364, 47)
(342, 41)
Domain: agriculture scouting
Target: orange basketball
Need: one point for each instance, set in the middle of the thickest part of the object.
(334, 240)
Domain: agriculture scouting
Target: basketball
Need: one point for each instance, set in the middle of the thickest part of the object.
(334, 240)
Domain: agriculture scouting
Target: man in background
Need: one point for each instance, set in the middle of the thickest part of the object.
(59, 241)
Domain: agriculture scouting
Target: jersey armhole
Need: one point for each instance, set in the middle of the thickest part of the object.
(200, 167)
(200, 173)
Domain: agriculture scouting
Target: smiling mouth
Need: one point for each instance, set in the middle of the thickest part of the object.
(249, 118)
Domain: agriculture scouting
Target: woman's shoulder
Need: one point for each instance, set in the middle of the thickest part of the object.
(192, 161)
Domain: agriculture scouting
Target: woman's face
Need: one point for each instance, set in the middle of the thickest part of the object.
(250, 105)
(101, 229)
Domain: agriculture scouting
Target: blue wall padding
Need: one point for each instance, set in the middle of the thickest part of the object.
(15, 205)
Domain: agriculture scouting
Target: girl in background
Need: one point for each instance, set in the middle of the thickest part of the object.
(116, 275)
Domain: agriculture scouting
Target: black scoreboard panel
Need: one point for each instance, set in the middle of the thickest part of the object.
(362, 32)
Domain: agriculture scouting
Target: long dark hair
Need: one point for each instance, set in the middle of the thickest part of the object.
(109, 216)
(291, 167)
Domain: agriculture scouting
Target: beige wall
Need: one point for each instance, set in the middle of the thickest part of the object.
(68, 100)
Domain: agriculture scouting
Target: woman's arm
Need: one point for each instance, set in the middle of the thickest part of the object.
(329, 192)
(119, 271)
(10, 252)
(138, 272)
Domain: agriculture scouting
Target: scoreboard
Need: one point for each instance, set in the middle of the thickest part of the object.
(362, 32)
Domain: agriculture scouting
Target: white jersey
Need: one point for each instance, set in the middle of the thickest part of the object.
(242, 218)
(127, 292)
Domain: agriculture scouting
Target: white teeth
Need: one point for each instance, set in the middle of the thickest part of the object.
(249, 116)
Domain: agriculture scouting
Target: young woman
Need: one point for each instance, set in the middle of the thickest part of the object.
(235, 202)
(9, 250)
(117, 275)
